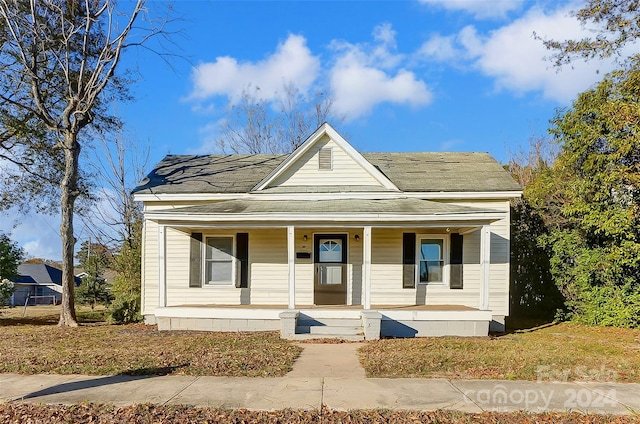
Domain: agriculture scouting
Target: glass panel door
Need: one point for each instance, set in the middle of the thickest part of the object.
(330, 260)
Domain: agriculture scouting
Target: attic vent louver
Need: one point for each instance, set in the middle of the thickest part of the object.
(324, 159)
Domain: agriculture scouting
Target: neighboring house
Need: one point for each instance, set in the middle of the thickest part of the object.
(328, 241)
(40, 283)
(108, 275)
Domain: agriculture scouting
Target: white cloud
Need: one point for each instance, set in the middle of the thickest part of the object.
(292, 62)
(359, 76)
(440, 48)
(516, 60)
(363, 76)
(481, 9)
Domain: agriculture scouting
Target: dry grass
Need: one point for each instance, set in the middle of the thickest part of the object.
(107, 414)
(564, 352)
(35, 345)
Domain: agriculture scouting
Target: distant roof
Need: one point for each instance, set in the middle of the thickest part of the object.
(410, 172)
(40, 274)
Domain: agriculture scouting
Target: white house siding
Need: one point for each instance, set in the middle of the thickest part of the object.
(386, 270)
(304, 267)
(268, 270)
(500, 256)
(150, 294)
(346, 171)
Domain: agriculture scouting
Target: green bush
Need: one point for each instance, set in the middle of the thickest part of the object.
(125, 310)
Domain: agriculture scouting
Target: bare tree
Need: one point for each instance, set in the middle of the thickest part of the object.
(58, 73)
(256, 125)
(119, 164)
(525, 164)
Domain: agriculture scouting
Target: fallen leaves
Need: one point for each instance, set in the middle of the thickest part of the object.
(563, 352)
(146, 413)
(138, 349)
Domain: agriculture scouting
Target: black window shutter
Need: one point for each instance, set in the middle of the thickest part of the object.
(408, 260)
(455, 262)
(195, 266)
(242, 254)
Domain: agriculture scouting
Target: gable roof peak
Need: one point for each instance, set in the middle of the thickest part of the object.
(325, 129)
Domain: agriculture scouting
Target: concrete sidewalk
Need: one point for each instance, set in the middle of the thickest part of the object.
(330, 375)
(334, 392)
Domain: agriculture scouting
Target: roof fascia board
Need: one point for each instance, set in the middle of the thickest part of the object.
(340, 141)
(457, 195)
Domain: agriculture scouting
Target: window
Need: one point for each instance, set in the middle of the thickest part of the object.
(215, 260)
(219, 261)
(331, 251)
(432, 267)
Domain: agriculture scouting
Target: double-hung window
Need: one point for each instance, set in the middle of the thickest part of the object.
(431, 260)
(219, 260)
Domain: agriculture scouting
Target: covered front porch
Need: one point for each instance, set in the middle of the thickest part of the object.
(403, 267)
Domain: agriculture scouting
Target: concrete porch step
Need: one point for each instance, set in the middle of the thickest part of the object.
(329, 322)
(351, 338)
(316, 329)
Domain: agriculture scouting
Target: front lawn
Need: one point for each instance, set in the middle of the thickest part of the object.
(563, 352)
(107, 414)
(37, 345)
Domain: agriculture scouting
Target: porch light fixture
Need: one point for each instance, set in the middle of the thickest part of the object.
(304, 237)
(357, 237)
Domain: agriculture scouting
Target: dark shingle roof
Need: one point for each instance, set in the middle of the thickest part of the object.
(450, 171)
(420, 172)
(208, 174)
(40, 274)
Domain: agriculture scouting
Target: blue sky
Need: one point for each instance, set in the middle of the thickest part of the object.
(438, 75)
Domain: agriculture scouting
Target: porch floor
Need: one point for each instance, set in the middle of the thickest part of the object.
(345, 307)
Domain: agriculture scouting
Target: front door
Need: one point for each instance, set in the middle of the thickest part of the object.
(330, 260)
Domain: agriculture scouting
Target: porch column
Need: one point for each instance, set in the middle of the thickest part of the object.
(485, 262)
(366, 266)
(162, 267)
(291, 259)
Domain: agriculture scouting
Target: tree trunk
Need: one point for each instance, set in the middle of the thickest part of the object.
(69, 188)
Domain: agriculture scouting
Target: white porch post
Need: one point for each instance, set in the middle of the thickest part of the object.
(485, 262)
(366, 268)
(291, 247)
(162, 267)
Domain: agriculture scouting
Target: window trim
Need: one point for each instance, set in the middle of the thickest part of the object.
(445, 257)
(234, 261)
